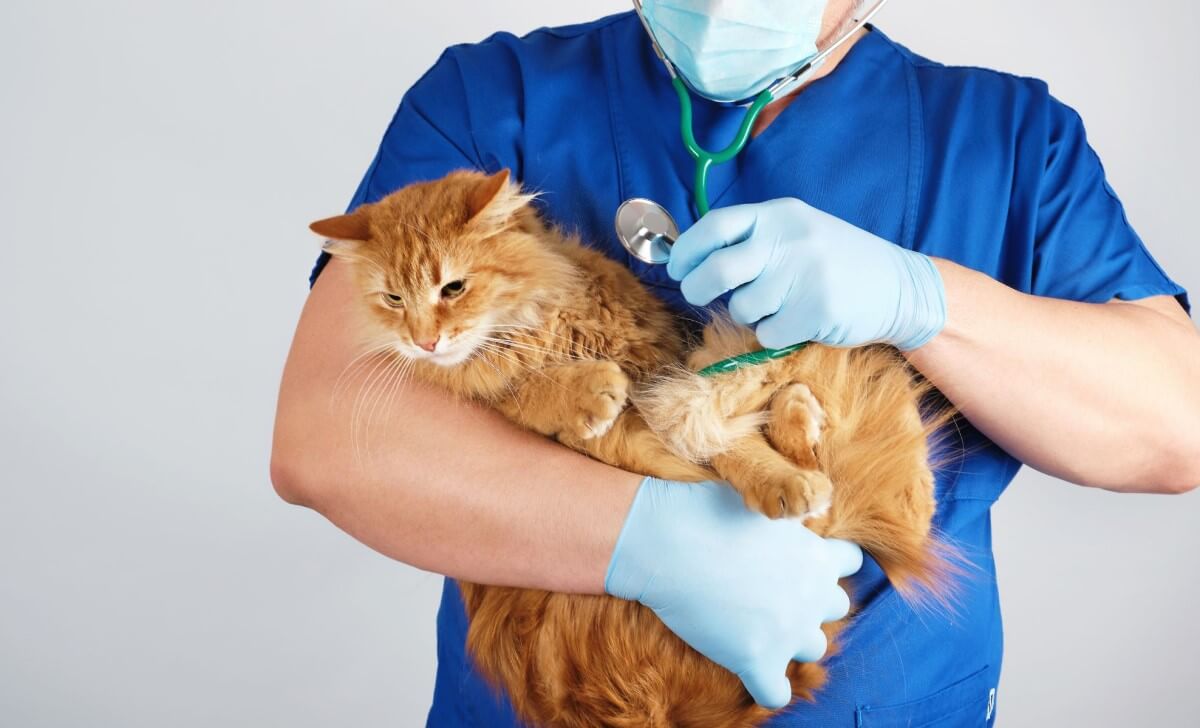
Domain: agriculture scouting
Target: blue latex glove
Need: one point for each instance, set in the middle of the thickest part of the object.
(800, 274)
(747, 592)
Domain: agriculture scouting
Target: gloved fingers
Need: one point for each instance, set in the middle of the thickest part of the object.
(722, 271)
(756, 300)
(812, 647)
(770, 688)
(839, 605)
(718, 229)
(845, 556)
(786, 328)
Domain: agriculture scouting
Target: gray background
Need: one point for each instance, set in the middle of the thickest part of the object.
(158, 165)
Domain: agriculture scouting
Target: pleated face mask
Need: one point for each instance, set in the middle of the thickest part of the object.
(730, 50)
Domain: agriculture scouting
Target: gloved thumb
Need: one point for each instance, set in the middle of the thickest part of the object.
(846, 557)
(770, 689)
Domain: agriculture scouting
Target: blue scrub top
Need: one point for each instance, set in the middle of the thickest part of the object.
(979, 167)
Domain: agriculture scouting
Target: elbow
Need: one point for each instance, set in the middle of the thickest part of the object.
(1179, 486)
(292, 466)
(1178, 465)
(287, 480)
(1185, 478)
(298, 459)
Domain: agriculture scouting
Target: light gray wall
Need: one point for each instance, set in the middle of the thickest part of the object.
(158, 165)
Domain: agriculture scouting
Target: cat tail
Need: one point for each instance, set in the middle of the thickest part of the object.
(926, 568)
(927, 573)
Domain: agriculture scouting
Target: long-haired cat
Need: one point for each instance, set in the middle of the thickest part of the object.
(467, 284)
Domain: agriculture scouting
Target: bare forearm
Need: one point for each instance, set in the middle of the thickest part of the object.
(461, 494)
(1106, 395)
(436, 483)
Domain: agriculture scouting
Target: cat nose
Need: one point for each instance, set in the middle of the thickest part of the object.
(430, 344)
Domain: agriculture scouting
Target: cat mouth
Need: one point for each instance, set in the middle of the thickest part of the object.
(450, 356)
(453, 350)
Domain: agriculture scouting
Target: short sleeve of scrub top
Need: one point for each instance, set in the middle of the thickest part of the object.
(1085, 248)
(975, 166)
(1040, 217)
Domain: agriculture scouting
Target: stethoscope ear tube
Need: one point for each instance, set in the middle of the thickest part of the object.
(789, 82)
(658, 51)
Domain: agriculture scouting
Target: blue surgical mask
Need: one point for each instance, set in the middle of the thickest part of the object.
(730, 50)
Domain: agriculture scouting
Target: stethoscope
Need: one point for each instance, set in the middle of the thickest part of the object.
(645, 227)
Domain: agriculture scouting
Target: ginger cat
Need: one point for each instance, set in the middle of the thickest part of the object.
(461, 279)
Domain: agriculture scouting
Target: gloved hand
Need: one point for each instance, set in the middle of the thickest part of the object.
(801, 274)
(747, 592)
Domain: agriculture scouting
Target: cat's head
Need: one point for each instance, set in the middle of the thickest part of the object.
(443, 266)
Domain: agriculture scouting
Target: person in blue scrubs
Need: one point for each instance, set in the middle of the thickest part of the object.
(1051, 303)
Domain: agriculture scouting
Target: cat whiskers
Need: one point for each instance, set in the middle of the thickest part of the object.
(373, 378)
(508, 384)
(508, 350)
(512, 358)
(363, 359)
(572, 344)
(500, 349)
(388, 386)
(402, 378)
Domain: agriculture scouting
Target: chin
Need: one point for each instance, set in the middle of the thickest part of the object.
(447, 358)
(450, 358)
(454, 353)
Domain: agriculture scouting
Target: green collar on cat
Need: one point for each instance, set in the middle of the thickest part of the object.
(750, 358)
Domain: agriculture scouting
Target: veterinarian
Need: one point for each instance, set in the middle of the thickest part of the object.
(956, 213)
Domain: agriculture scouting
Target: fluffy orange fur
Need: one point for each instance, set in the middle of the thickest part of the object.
(461, 280)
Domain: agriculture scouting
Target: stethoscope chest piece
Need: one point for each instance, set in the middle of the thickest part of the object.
(646, 230)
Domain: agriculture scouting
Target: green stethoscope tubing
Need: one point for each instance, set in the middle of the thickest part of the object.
(704, 162)
(750, 358)
(704, 158)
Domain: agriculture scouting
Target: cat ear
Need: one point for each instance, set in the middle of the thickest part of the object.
(494, 200)
(346, 233)
(485, 192)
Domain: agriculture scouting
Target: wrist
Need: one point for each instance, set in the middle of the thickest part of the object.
(970, 302)
(615, 523)
(626, 576)
(923, 299)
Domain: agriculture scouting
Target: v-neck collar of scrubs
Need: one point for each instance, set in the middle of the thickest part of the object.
(869, 95)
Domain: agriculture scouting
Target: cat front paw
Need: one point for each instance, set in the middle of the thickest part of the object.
(798, 416)
(788, 492)
(602, 394)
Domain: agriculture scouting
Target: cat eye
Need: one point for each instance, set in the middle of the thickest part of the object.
(393, 300)
(453, 289)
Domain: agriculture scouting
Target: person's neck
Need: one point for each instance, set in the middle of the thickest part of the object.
(772, 111)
